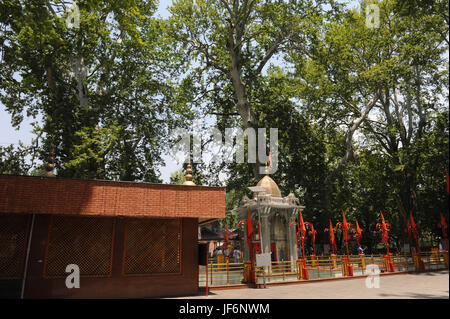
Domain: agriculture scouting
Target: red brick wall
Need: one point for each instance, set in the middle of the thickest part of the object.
(117, 285)
(41, 195)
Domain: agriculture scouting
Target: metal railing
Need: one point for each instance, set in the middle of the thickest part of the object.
(223, 274)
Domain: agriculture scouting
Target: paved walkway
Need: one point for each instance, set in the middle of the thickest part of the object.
(401, 286)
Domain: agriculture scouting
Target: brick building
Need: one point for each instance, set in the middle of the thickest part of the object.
(129, 239)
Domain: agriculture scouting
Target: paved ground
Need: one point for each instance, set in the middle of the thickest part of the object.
(416, 286)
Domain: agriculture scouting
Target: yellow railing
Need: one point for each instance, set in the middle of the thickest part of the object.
(279, 270)
(222, 274)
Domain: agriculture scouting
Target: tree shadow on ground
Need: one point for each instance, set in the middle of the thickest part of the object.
(430, 273)
(414, 295)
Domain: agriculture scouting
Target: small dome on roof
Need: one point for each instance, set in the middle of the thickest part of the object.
(270, 186)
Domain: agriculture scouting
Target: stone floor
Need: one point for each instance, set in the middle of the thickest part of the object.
(400, 286)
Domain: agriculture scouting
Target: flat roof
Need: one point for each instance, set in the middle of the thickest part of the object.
(69, 196)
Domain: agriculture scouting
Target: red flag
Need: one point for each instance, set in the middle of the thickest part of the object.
(443, 225)
(358, 230)
(226, 233)
(413, 224)
(270, 160)
(250, 232)
(333, 242)
(414, 231)
(344, 226)
(408, 228)
(385, 236)
(302, 225)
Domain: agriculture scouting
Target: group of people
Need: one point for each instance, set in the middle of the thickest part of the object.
(234, 254)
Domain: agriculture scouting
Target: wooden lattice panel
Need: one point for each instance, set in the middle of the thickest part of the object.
(84, 241)
(152, 246)
(13, 245)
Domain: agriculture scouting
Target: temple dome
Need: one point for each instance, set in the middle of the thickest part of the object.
(270, 185)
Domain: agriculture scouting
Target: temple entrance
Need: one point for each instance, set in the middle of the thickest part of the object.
(273, 250)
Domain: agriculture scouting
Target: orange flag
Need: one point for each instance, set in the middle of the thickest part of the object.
(413, 224)
(250, 233)
(249, 224)
(414, 231)
(443, 226)
(333, 242)
(344, 226)
(302, 225)
(358, 230)
(385, 236)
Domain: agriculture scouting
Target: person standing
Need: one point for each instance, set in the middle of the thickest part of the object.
(236, 255)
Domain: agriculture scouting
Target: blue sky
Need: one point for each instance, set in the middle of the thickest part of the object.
(10, 135)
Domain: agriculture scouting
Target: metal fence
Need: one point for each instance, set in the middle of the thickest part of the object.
(319, 267)
(221, 274)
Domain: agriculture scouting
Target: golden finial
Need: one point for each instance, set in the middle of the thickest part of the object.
(49, 167)
(188, 180)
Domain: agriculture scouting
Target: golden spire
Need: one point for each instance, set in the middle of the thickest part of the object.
(50, 165)
(269, 184)
(188, 180)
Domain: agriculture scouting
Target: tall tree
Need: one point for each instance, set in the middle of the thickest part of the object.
(381, 82)
(228, 45)
(97, 75)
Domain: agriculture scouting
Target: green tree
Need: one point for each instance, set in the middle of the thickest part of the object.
(228, 44)
(378, 87)
(101, 87)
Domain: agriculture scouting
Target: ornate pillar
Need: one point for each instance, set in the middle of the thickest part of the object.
(265, 229)
(245, 250)
(265, 232)
(292, 238)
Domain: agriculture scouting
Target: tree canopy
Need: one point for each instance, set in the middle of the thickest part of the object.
(361, 107)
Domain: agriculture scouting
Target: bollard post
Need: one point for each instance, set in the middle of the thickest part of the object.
(363, 260)
(247, 271)
(313, 260)
(445, 254)
(346, 267)
(435, 255)
(228, 275)
(303, 271)
(220, 261)
(388, 263)
(333, 260)
(418, 262)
